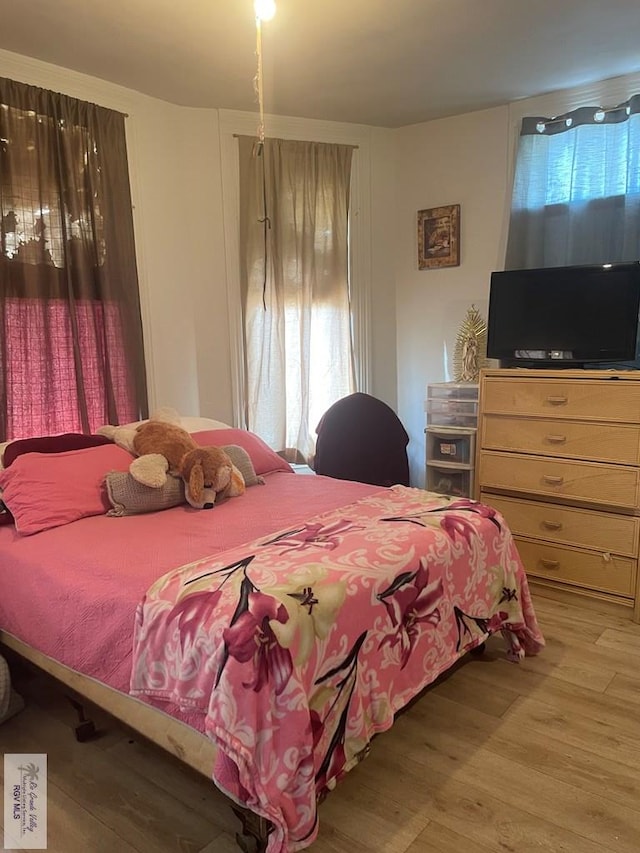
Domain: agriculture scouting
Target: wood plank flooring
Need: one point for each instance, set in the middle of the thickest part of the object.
(538, 756)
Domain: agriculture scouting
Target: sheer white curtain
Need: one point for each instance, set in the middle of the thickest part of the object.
(294, 268)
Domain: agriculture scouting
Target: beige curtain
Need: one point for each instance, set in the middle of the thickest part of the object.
(294, 204)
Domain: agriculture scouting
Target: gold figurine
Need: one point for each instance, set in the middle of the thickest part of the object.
(471, 347)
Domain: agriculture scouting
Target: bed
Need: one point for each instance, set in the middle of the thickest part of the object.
(265, 642)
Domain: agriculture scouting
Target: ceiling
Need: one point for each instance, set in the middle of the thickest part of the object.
(379, 62)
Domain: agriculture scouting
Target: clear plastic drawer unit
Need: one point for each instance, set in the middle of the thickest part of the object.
(457, 482)
(452, 419)
(452, 404)
(450, 445)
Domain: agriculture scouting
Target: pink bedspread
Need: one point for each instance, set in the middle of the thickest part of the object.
(72, 592)
(299, 647)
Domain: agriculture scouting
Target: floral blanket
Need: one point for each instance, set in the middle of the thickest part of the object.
(300, 646)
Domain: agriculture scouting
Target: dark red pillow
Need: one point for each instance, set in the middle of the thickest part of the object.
(51, 444)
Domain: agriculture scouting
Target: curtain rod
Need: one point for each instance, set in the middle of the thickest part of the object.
(346, 144)
(625, 105)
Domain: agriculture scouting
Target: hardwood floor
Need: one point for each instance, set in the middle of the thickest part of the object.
(538, 756)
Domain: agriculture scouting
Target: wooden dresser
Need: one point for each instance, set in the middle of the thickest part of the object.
(558, 454)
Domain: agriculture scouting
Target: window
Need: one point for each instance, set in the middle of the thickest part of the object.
(71, 354)
(576, 196)
(294, 206)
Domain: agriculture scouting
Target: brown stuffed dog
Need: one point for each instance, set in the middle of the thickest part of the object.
(164, 448)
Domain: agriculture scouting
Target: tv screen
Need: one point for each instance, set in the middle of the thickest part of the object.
(564, 316)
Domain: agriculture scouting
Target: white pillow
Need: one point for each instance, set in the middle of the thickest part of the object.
(202, 424)
(191, 424)
(3, 447)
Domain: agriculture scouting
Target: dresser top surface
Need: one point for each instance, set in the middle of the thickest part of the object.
(532, 373)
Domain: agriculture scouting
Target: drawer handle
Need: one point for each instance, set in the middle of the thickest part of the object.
(552, 525)
(550, 564)
(557, 400)
(556, 439)
(553, 481)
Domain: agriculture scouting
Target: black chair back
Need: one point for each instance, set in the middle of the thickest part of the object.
(361, 438)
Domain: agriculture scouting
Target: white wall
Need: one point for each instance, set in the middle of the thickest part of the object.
(383, 348)
(460, 160)
(203, 253)
(180, 243)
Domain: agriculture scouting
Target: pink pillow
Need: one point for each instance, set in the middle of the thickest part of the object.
(44, 490)
(265, 460)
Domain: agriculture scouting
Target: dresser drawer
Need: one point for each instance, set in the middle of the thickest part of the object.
(604, 532)
(583, 481)
(581, 568)
(613, 401)
(569, 439)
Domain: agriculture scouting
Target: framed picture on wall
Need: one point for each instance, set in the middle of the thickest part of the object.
(439, 237)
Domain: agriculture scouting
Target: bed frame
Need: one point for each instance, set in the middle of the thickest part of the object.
(185, 743)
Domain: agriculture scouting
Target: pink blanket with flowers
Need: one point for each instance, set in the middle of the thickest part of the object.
(299, 647)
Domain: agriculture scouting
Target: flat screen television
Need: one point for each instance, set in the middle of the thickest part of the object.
(573, 316)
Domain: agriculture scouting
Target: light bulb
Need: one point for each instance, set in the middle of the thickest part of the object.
(265, 9)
